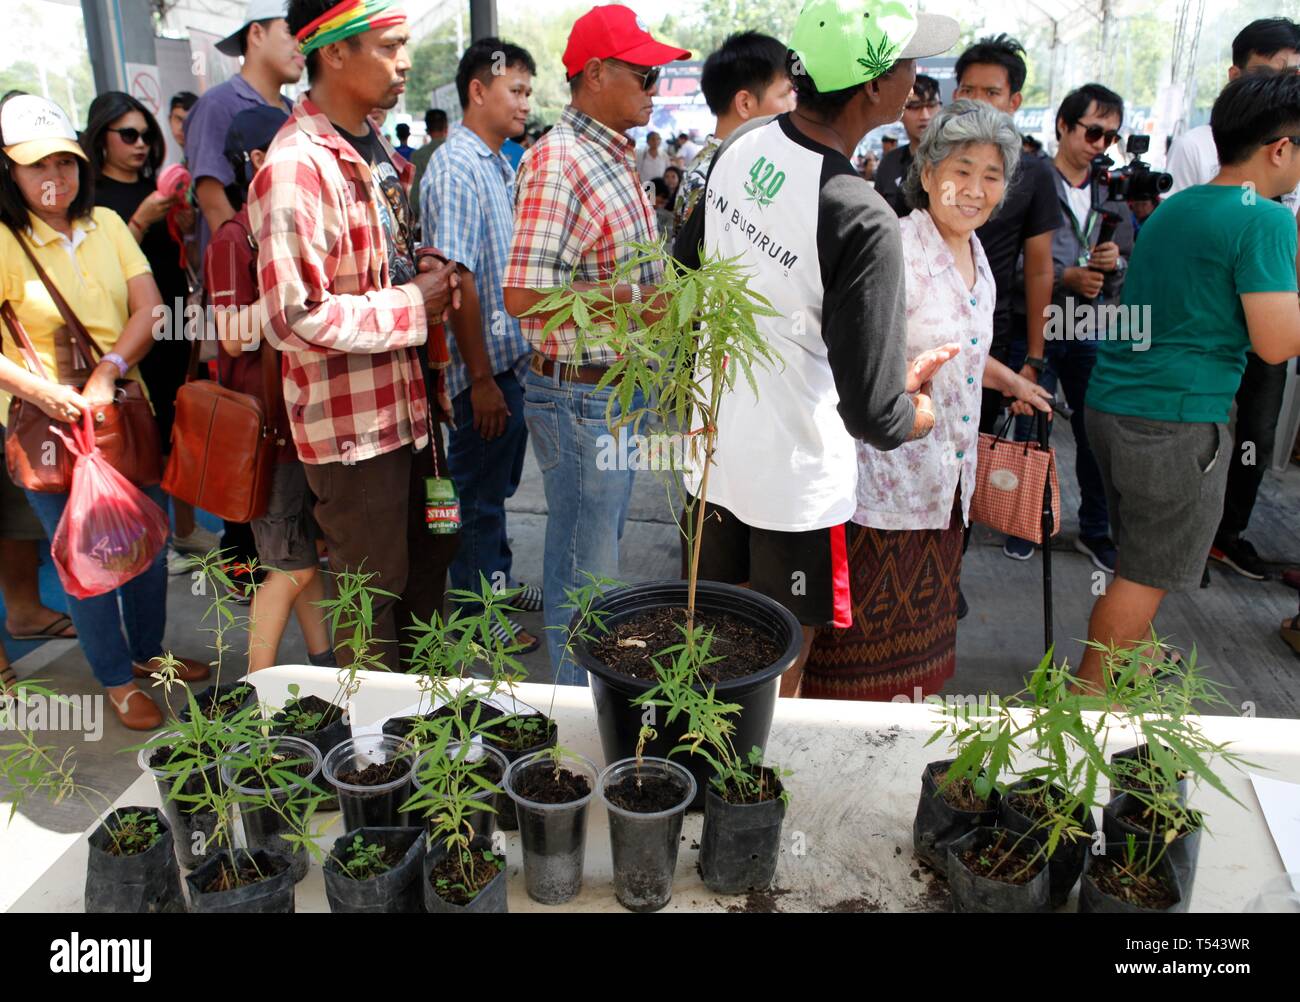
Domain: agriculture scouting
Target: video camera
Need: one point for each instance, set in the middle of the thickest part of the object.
(1134, 182)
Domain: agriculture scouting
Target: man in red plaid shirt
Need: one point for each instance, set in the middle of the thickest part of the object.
(351, 312)
(579, 211)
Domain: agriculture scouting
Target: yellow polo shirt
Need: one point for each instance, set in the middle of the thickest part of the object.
(91, 271)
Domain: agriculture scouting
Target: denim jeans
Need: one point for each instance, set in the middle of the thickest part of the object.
(586, 505)
(100, 622)
(486, 473)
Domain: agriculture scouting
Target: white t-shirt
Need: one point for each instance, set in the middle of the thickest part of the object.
(688, 151)
(1194, 159)
(651, 167)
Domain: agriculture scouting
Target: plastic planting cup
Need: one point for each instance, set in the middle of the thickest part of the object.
(191, 831)
(554, 836)
(644, 845)
(483, 822)
(376, 806)
(263, 827)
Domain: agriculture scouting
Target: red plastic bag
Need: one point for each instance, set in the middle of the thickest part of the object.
(110, 532)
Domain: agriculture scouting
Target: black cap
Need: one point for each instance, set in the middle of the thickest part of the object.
(253, 129)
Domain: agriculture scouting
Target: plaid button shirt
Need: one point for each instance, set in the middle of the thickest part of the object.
(353, 373)
(579, 207)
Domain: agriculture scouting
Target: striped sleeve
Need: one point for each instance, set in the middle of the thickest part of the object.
(299, 223)
(452, 210)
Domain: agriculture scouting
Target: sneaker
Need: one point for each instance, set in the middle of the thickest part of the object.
(1241, 557)
(1017, 548)
(1100, 550)
(179, 563)
(199, 541)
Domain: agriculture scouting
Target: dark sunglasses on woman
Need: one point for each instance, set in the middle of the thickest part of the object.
(132, 136)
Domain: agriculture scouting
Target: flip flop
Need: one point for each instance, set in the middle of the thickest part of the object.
(499, 633)
(54, 631)
(1291, 633)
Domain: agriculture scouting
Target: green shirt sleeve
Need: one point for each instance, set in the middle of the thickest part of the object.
(1267, 250)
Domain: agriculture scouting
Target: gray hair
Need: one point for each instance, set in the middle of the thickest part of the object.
(961, 124)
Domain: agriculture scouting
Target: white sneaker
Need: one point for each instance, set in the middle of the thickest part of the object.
(179, 563)
(199, 541)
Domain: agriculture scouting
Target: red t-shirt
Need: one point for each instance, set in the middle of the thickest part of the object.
(230, 273)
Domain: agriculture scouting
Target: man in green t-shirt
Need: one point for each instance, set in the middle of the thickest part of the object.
(1214, 275)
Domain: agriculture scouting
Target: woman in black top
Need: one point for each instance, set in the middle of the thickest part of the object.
(126, 151)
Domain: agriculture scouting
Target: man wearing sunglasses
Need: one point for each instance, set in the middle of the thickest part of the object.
(1086, 274)
(579, 211)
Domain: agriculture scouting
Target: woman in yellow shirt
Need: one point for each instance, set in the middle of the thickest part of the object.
(47, 202)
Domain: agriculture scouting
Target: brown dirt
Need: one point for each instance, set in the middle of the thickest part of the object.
(250, 778)
(376, 773)
(771, 786)
(511, 733)
(1148, 891)
(855, 906)
(226, 878)
(457, 890)
(759, 901)
(1140, 816)
(743, 649)
(960, 795)
(543, 785)
(653, 794)
(1002, 862)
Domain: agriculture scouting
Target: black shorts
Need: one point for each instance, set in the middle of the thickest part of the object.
(807, 572)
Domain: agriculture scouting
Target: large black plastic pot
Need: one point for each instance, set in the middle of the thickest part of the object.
(972, 892)
(273, 894)
(740, 843)
(146, 882)
(938, 823)
(395, 891)
(490, 900)
(1093, 899)
(1066, 862)
(191, 829)
(553, 836)
(401, 727)
(620, 722)
(263, 827)
(1135, 754)
(1182, 851)
(643, 844)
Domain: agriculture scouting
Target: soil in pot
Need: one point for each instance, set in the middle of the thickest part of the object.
(389, 880)
(476, 885)
(375, 774)
(741, 842)
(323, 724)
(263, 827)
(1127, 815)
(1139, 754)
(373, 777)
(552, 806)
(242, 881)
(1020, 811)
(646, 800)
(1111, 886)
(517, 736)
(218, 701)
(131, 865)
(628, 647)
(992, 870)
(946, 813)
(552, 786)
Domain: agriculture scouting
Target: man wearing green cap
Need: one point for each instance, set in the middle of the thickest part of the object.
(825, 250)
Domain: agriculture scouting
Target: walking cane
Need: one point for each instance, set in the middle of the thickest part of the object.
(1044, 432)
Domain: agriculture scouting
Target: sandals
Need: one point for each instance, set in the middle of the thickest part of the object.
(508, 638)
(53, 631)
(529, 599)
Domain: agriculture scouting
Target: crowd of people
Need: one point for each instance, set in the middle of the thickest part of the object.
(397, 287)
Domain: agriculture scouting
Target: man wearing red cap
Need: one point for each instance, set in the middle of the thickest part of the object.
(579, 209)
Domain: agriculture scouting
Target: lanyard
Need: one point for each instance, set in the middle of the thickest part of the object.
(1083, 234)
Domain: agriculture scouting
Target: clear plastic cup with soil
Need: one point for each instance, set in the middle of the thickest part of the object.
(516, 736)
(484, 761)
(376, 871)
(946, 811)
(322, 723)
(192, 828)
(993, 870)
(741, 839)
(282, 770)
(551, 790)
(1026, 807)
(241, 880)
(218, 702)
(1130, 878)
(464, 878)
(646, 799)
(131, 865)
(372, 775)
(1149, 822)
(1135, 768)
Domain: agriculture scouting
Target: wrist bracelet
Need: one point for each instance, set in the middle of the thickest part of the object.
(117, 360)
(1037, 364)
(636, 294)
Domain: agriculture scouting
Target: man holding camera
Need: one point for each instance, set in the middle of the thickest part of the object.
(1215, 275)
(1088, 271)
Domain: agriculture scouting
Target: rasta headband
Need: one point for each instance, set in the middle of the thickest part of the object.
(345, 19)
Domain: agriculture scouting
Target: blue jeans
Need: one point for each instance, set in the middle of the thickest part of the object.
(100, 622)
(486, 473)
(1071, 363)
(586, 505)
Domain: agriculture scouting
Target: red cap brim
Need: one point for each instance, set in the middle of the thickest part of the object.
(651, 53)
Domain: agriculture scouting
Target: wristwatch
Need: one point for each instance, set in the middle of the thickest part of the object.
(1037, 364)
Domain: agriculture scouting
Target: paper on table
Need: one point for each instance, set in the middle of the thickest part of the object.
(1280, 802)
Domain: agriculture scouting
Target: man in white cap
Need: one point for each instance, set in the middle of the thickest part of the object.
(271, 60)
(824, 248)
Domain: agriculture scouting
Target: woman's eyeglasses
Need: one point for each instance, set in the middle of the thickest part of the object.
(648, 79)
(1094, 132)
(132, 136)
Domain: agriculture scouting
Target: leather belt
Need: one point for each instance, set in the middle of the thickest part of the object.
(589, 374)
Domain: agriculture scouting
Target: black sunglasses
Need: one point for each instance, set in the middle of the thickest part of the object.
(648, 79)
(1094, 132)
(1295, 140)
(132, 136)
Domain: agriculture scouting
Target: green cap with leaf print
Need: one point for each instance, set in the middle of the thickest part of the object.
(845, 43)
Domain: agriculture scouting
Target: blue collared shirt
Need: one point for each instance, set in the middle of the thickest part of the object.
(467, 211)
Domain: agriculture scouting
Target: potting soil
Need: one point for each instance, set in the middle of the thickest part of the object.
(629, 647)
(544, 785)
(462, 887)
(650, 796)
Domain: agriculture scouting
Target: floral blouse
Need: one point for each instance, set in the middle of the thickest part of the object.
(912, 487)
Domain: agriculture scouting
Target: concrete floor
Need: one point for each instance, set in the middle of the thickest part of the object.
(1233, 625)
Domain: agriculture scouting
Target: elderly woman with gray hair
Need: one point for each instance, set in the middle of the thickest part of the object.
(905, 540)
